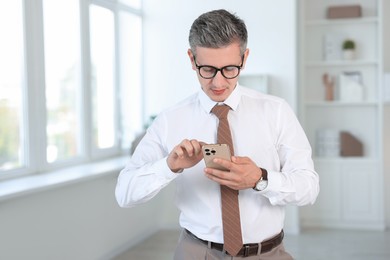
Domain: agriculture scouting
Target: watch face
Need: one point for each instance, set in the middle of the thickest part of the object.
(261, 185)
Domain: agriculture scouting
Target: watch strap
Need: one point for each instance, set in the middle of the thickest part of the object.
(264, 177)
(264, 173)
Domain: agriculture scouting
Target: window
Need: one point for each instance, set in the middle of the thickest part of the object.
(12, 80)
(102, 76)
(70, 82)
(130, 47)
(62, 79)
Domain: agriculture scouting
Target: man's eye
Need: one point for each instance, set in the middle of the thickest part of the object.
(229, 69)
(208, 69)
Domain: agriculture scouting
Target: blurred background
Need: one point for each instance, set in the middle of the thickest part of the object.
(81, 80)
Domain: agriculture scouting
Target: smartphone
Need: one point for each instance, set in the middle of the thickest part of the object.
(211, 151)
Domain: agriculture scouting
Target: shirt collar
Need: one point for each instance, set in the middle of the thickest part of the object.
(232, 101)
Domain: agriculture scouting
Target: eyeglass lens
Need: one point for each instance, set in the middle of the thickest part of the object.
(210, 72)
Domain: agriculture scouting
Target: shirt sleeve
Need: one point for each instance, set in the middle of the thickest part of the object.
(297, 182)
(147, 171)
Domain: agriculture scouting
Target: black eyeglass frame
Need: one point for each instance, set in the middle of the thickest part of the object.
(219, 69)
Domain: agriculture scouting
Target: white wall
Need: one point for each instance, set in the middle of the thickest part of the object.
(78, 221)
(386, 111)
(168, 74)
(386, 154)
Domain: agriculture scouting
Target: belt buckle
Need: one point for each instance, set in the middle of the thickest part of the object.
(247, 250)
(258, 248)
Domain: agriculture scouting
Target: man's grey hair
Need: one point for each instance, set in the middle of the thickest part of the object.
(216, 29)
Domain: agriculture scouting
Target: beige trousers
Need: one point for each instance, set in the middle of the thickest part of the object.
(189, 248)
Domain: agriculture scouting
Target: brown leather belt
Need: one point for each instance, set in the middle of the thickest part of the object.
(247, 249)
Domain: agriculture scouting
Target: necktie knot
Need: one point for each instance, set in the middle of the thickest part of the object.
(221, 111)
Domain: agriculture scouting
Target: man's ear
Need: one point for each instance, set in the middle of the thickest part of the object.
(246, 54)
(192, 58)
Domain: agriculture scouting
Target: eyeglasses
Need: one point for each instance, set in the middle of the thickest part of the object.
(209, 72)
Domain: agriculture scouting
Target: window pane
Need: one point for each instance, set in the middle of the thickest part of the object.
(62, 76)
(102, 73)
(12, 76)
(130, 80)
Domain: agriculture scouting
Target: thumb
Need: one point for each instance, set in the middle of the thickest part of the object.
(237, 159)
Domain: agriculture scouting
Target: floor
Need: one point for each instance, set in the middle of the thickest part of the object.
(309, 245)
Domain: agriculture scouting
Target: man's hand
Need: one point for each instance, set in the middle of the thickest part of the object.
(185, 155)
(243, 174)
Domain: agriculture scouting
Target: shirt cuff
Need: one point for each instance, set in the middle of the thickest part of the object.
(274, 185)
(162, 166)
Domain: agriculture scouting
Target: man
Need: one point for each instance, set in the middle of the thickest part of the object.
(271, 166)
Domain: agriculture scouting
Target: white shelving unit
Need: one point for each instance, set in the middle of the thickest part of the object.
(351, 193)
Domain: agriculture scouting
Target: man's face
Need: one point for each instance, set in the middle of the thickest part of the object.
(218, 88)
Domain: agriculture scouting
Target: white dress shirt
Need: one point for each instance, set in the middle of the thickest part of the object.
(263, 127)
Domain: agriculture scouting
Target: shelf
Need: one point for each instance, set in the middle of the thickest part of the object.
(341, 63)
(340, 103)
(321, 42)
(332, 22)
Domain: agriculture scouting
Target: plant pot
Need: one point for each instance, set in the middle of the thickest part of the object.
(349, 54)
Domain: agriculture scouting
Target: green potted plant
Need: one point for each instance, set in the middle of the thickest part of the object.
(349, 49)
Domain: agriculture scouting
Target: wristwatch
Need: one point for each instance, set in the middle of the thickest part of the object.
(263, 182)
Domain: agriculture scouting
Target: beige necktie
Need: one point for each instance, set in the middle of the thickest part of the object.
(230, 210)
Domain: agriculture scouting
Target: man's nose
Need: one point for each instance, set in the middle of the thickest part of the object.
(219, 79)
